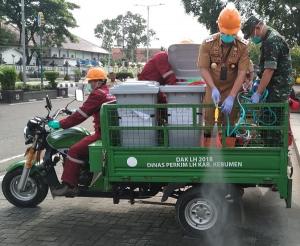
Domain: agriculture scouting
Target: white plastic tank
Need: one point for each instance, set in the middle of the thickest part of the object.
(137, 92)
(181, 116)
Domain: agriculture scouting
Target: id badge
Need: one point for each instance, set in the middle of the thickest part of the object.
(223, 73)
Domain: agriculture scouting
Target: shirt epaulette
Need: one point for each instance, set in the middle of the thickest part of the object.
(243, 41)
(210, 38)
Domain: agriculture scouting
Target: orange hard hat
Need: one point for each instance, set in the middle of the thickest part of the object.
(229, 20)
(95, 73)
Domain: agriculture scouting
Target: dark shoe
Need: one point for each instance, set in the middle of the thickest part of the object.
(274, 188)
(65, 190)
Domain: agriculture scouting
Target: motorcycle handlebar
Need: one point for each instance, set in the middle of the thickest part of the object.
(62, 110)
(67, 111)
(56, 113)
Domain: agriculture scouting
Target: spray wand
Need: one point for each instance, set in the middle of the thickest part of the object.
(216, 114)
(215, 130)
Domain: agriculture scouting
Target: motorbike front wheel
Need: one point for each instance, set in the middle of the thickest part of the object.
(34, 193)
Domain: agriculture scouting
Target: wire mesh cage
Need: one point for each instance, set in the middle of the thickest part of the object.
(263, 125)
(189, 126)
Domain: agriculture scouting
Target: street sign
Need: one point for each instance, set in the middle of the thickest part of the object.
(40, 19)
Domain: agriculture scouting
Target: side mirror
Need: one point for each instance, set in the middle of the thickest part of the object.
(48, 103)
(79, 95)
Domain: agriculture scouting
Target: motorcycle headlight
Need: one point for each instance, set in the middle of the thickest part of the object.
(28, 135)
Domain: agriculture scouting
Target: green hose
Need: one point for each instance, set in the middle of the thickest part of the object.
(242, 119)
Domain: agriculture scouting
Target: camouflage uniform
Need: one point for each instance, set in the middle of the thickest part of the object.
(274, 55)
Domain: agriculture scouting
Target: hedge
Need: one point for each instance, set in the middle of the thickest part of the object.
(8, 78)
(124, 75)
(52, 76)
(77, 74)
(295, 54)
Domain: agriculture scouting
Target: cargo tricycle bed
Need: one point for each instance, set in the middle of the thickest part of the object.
(150, 148)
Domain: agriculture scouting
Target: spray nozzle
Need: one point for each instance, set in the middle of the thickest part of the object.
(216, 114)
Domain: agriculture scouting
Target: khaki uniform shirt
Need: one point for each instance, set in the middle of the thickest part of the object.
(210, 56)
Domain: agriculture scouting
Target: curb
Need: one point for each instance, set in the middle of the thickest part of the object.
(296, 150)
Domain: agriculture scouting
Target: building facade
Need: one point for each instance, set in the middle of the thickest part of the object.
(81, 52)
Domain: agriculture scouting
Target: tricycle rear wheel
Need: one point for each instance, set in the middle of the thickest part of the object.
(201, 211)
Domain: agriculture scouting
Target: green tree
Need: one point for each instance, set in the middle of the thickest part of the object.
(295, 54)
(283, 15)
(58, 20)
(7, 37)
(107, 31)
(254, 53)
(207, 12)
(129, 30)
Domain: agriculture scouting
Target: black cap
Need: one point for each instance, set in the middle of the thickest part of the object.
(249, 25)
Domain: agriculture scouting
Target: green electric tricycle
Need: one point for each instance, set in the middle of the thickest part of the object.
(147, 149)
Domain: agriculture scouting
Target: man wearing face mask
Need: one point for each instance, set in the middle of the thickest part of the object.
(275, 72)
(275, 61)
(96, 85)
(223, 62)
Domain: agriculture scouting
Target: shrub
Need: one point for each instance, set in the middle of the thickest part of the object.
(28, 87)
(124, 75)
(295, 54)
(19, 86)
(77, 75)
(52, 76)
(67, 77)
(8, 78)
(254, 53)
(104, 61)
(1, 75)
(83, 73)
(20, 76)
(112, 76)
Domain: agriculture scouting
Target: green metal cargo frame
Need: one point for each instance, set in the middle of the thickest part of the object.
(250, 165)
